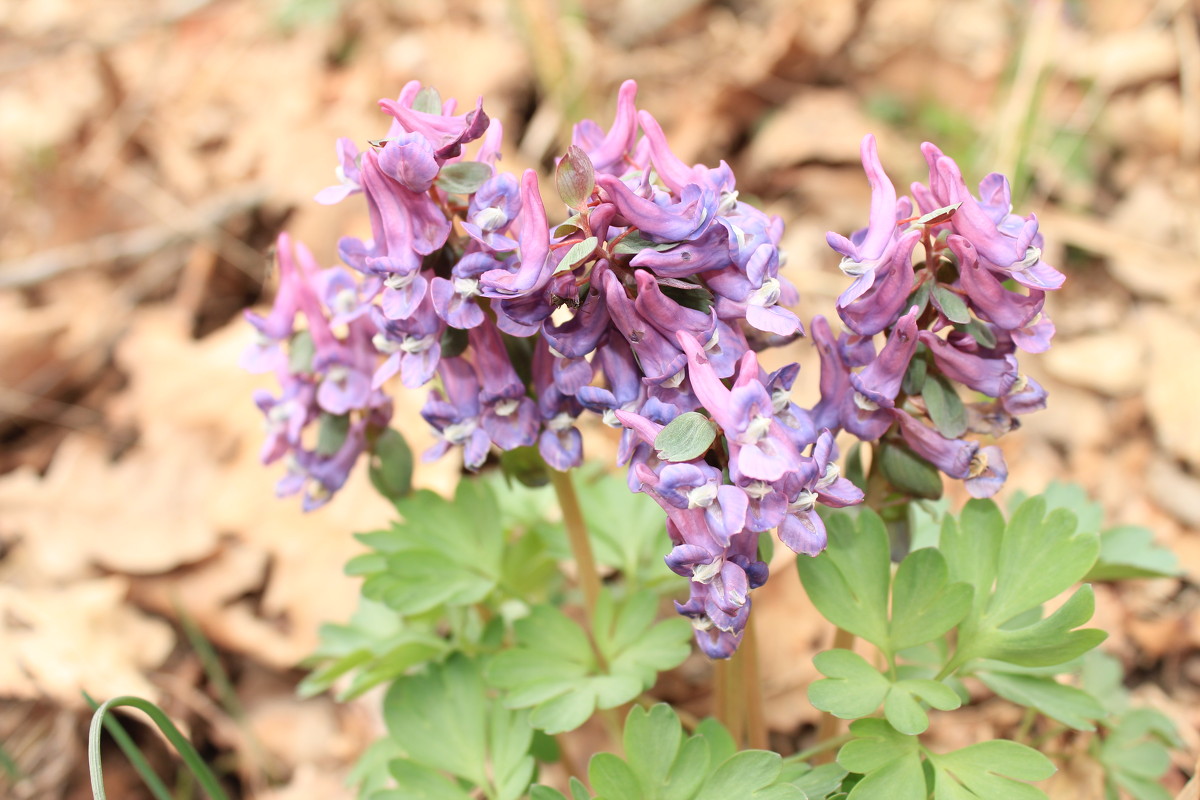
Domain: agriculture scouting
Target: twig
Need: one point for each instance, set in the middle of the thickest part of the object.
(134, 244)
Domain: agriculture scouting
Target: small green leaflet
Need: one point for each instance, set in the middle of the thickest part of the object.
(443, 553)
(850, 584)
(945, 407)
(553, 669)
(908, 472)
(301, 351)
(444, 722)
(853, 688)
(661, 764)
(982, 550)
(990, 769)
(391, 466)
(889, 761)
(686, 437)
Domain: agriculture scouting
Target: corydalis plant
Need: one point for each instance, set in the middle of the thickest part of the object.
(647, 305)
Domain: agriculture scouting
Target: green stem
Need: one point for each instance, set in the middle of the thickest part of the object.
(819, 748)
(577, 535)
(581, 547)
(756, 721)
(188, 753)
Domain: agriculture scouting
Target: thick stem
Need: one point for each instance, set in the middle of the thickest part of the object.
(581, 548)
(756, 722)
(577, 535)
(829, 728)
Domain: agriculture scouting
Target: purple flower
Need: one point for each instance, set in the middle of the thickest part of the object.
(870, 248)
(879, 382)
(607, 150)
(446, 134)
(349, 179)
(454, 413)
(535, 267)
(1008, 245)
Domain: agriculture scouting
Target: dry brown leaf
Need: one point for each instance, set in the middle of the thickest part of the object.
(1112, 362)
(143, 514)
(1174, 384)
(83, 637)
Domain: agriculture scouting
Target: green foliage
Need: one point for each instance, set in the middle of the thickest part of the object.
(663, 765)
(554, 669)
(444, 722)
(1126, 551)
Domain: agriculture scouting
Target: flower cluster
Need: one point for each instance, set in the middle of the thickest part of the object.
(955, 318)
(324, 370)
(647, 306)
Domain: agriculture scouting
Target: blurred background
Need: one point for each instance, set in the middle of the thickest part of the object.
(150, 150)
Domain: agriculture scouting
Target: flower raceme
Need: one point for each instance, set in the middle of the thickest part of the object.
(954, 318)
(646, 305)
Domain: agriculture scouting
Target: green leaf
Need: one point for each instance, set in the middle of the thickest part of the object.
(444, 720)
(848, 582)
(580, 251)
(418, 782)
(946, 409)
(526, 465)
(990, 769)
(1031, 539)
(575, 178)
(443, 553)
(951, 305)
(981, 333)
(633, 243)
(889, 761)
(745, 775)
(820, 781)
(652, 739)
(391, 465)
(971, 546)
(686, 437)
(1128, 551)
(908, 472)
(463, 177)
(1073, 707)
(612, 777)
(852, 688)
(540, 792)
(914, 376)
(905, 713)
(925, 605)
(553, 669)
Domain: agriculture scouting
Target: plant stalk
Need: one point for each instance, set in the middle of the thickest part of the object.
(581, 548)
(577, 535)
(756, 722)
